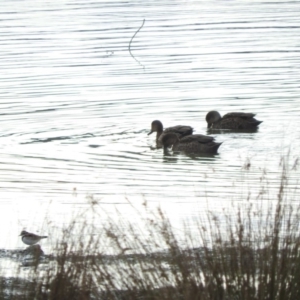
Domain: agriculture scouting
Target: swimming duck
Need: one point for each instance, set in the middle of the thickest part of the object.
(191, 144)
(179, 130)
(234, 120)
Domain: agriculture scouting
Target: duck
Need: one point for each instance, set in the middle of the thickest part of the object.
(233, 120)
(179, 130)
(191, 144)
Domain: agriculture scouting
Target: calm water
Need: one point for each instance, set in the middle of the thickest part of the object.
(76, 107)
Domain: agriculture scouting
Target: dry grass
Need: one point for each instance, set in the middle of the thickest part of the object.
(254, 254)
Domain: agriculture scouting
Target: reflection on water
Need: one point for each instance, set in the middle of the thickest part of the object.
(231, 131)
(173, 156)
(32, 256)
(76, 108)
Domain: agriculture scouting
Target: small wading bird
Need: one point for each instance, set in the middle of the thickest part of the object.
(31, 238)
(233, 120)
(191, 144)
(179, 130)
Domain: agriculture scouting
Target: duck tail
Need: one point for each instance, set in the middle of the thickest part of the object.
(215, 147)
(255, 123)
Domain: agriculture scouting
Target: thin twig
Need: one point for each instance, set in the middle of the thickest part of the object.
(131, 41)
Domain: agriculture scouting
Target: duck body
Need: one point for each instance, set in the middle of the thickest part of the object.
(233, 120)
(179, 130)
(192, 144)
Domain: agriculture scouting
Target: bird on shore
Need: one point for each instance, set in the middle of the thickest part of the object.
(31, 238)
(191, 144)
(179, 130)
(233, 120)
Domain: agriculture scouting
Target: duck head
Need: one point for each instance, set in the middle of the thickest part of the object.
(169, 140)
(212, 117)
(157, 126)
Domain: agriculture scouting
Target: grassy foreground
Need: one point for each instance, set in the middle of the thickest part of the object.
(252, 254)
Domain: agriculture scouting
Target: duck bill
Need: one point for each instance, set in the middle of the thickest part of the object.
(150, 132)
